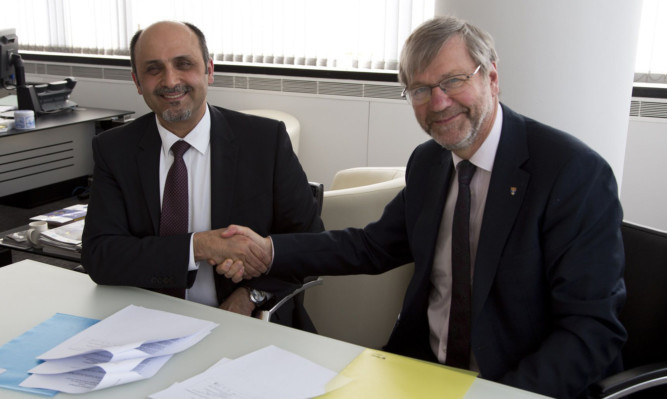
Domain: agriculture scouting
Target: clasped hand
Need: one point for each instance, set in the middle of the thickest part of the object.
(236, 252)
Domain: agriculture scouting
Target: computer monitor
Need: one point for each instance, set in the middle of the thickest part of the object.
(9, 49)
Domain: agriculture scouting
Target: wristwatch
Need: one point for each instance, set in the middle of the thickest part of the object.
(258, 297)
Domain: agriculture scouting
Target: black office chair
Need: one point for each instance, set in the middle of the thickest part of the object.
(644, 316)
(270, 308)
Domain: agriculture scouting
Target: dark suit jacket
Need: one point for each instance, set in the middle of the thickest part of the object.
(547, 284)
(256, 181)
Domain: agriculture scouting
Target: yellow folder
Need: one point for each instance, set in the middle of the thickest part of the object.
(377, 374)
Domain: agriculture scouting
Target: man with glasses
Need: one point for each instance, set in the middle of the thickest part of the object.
(514, 228)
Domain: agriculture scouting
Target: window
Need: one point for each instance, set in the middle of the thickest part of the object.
(651, 64)
(341, 34)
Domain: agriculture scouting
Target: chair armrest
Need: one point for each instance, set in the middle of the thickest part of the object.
(630, 381)
(266, 314)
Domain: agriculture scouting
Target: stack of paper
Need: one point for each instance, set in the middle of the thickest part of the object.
(67, 236)
(130, 345)
(270, 372)
(65, 215)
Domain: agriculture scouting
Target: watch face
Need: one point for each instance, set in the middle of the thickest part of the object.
(257, 296)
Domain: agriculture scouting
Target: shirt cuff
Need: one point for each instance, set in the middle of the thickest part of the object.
(192, 265)
(273, 255)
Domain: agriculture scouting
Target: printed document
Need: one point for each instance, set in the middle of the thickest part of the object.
(127, 346)
(270, 372)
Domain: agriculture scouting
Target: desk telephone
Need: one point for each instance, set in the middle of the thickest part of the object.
(46, 98)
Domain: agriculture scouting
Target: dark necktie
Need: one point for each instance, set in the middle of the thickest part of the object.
(458, 341)
(175, 207)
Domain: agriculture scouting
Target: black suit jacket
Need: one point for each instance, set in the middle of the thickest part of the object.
(547, 285)
(256, 181)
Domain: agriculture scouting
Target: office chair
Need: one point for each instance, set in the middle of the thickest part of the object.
(292, 124)
(348, 307)
(271, 307)
(644, 316)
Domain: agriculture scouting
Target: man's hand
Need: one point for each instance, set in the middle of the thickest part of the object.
(235, 254)
(262, 244)
(239, 302)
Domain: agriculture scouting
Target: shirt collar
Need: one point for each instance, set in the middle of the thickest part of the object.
(483, 158)
(198, 138)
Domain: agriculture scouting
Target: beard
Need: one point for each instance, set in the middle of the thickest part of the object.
(469, 136)
(175, 114)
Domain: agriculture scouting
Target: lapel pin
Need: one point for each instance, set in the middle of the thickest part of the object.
(512, 191)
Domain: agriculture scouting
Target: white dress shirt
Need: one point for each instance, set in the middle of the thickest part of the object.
(198, 161)
(440, 294)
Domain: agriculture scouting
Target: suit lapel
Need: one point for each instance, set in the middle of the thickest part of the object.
(506, 193)
(224, 161)
(148, 162)
(434, 189)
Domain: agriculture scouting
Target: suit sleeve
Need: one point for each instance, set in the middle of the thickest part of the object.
(583, 262)
(120, 246)
(294, 208)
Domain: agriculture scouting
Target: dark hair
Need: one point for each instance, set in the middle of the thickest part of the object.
(200, 36)
(423, 45)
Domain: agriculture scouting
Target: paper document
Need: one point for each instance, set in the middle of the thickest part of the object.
(19, 355)
(129, 329)
(67, 236)
(130, 345)
(101, 358)
(99, 377)
(377, 374)
(270, 372)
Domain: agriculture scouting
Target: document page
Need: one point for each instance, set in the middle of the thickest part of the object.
(130, 345)
(99, 377)
(129, 329)
(270, 372)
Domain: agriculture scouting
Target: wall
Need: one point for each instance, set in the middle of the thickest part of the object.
(568, 63)
(644, 194)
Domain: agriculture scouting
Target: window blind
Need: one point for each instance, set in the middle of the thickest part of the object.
(651, 62)
(340, 34)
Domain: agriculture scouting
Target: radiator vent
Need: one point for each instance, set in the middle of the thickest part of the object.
(87, 72)
(389, 91)
(300, 86)
(341, 89)
(270, 84)
(117, 74)
(648, 109)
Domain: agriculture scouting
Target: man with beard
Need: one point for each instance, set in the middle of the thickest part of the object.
(236, 168)
(527, 288)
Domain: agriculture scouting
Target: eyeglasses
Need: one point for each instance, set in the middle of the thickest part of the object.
(451, 85)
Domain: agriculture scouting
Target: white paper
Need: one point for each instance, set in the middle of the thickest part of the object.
(130, 345)
(74, 363)
(267, 373)
(129, 329)
(104, 376)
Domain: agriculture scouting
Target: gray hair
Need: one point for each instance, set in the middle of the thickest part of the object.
(422, 46)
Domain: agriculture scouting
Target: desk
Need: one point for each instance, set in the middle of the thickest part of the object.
(58, 149)
(47, 250)
(31, 292)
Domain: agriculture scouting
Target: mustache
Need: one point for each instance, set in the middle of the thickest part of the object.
(446, 113)
(178, 89)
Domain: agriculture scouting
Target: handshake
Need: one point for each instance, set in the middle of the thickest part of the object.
(236, 252)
